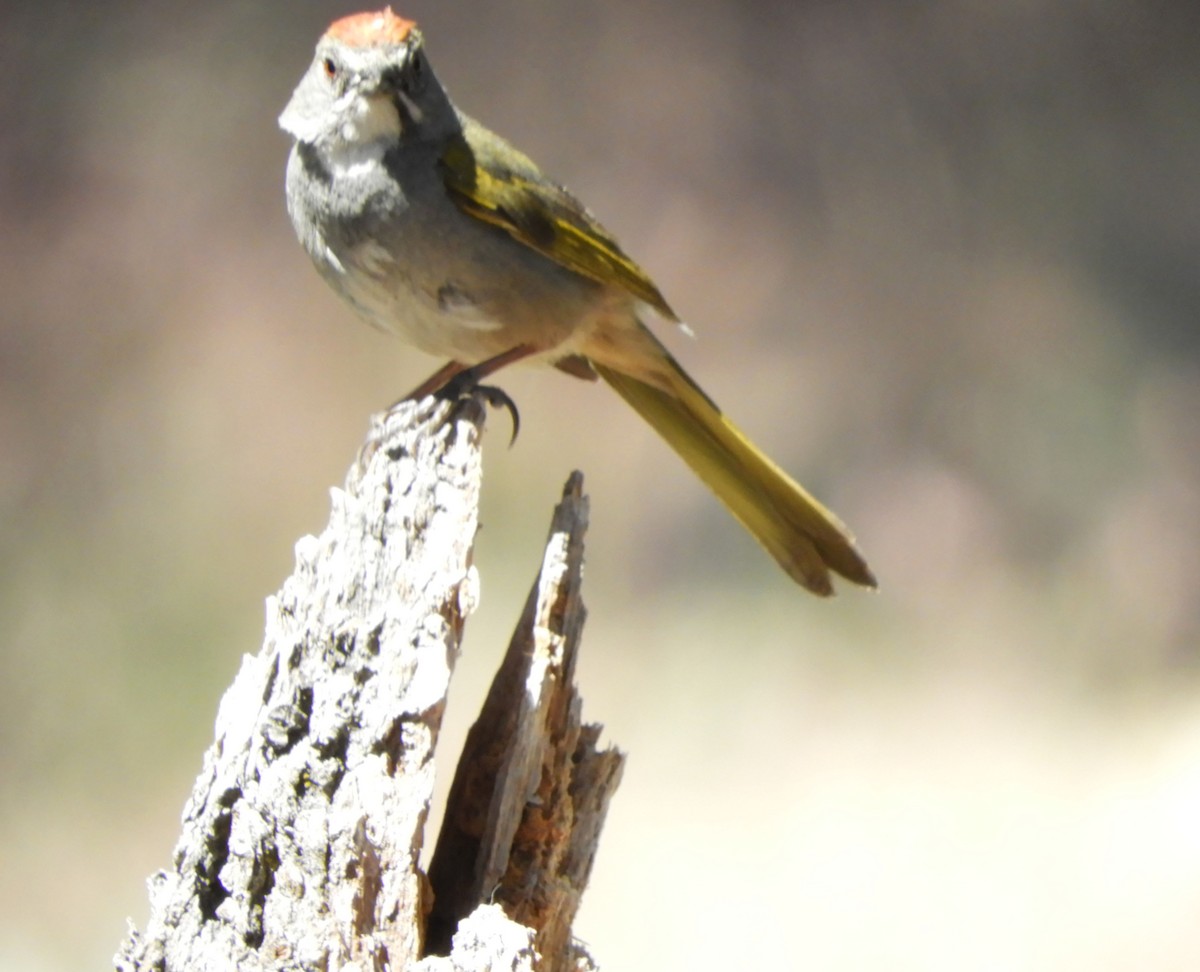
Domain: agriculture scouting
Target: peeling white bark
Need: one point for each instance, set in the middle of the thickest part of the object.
(302, 833)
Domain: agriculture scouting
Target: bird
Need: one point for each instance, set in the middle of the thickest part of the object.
(437, 230)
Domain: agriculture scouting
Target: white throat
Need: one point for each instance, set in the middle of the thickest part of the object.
(370, 126)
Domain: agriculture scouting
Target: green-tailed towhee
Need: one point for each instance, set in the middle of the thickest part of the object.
(439, 231)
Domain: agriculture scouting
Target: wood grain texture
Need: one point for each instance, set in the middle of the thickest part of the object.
(302, 835)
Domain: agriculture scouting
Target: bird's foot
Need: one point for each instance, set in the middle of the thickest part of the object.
(466, 383)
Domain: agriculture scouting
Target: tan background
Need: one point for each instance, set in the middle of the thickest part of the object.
(941, 259)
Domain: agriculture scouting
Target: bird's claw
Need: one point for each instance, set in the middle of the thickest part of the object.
(465, 384)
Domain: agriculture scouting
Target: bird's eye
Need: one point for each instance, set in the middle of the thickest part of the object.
(330, 67)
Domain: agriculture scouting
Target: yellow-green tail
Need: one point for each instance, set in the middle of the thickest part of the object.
(806, 539)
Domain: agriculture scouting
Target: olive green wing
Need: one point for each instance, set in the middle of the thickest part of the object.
(492, 181)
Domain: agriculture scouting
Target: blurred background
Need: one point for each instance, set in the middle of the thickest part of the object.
(942, 263)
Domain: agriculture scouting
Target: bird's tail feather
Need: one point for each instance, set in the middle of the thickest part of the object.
(806, 539)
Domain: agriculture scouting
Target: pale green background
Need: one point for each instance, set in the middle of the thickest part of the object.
(942, 261)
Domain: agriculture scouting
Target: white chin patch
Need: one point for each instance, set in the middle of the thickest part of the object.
(370, 119)
(371, 125)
